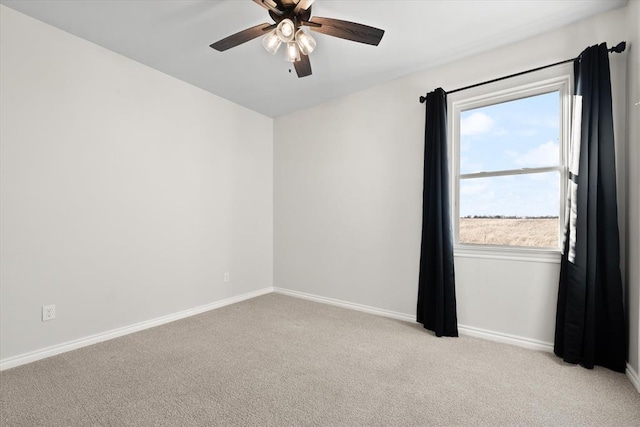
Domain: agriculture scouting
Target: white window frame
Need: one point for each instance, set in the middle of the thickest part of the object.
(555, 79)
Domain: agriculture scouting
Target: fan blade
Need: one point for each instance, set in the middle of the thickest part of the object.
(303, 67)
(242, 37)
(269, 5)
(302, 5)
(347, 30)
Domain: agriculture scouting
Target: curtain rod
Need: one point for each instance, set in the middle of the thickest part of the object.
(620, 47)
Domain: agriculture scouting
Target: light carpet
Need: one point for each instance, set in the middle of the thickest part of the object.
(282, 361)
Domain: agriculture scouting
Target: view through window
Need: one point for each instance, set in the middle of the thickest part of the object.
(509, 173)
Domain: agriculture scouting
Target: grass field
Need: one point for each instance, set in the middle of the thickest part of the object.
(531, 232)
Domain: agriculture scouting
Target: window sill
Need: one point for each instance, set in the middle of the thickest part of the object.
(547, 255)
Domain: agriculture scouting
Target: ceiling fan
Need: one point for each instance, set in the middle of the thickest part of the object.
(290, 16)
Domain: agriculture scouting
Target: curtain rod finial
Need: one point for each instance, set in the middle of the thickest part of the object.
(620, 47)
(422, 99)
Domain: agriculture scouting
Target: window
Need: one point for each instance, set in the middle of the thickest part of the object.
(508, 151)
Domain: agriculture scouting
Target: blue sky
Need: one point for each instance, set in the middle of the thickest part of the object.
(518, 134)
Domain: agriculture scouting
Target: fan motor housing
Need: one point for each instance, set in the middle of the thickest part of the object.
(297, 18)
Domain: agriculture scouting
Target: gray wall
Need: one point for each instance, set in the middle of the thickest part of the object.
(633, 183)
(348, 191)
(126, 194)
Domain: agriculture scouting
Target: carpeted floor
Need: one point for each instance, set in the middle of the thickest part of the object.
(281, 361)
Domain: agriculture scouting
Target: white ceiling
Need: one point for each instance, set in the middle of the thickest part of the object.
(173, 36)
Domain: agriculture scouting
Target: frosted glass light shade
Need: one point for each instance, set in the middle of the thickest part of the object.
(293, 54)
(306, 43)
(286, 30)
(271, 42)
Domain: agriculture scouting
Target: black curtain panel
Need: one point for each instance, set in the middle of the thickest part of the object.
(590, 323)
(436, 288)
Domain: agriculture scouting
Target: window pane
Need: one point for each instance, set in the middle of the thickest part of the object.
(511, 135)
(514, 210)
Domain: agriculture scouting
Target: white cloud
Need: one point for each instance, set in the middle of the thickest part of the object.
(546, 154)
(476, 124)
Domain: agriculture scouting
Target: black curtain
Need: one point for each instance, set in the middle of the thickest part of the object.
(590, 324)
(436, 288)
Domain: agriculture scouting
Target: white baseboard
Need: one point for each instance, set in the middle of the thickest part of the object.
(633, 377)
(506, 338)
(346, 304)
(21, 359)
(518, 341)
(465, 330)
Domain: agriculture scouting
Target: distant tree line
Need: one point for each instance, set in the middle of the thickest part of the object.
(509, 217)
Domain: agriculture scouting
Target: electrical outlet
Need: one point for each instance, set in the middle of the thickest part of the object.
(226, 277)
(48, 312)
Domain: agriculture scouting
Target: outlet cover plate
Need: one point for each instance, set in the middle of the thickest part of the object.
(48, 312)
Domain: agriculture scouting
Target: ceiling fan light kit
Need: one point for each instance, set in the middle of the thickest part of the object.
(306, 43)
(285, 30)
(293, 54)
(272, 42)
(289, 17)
